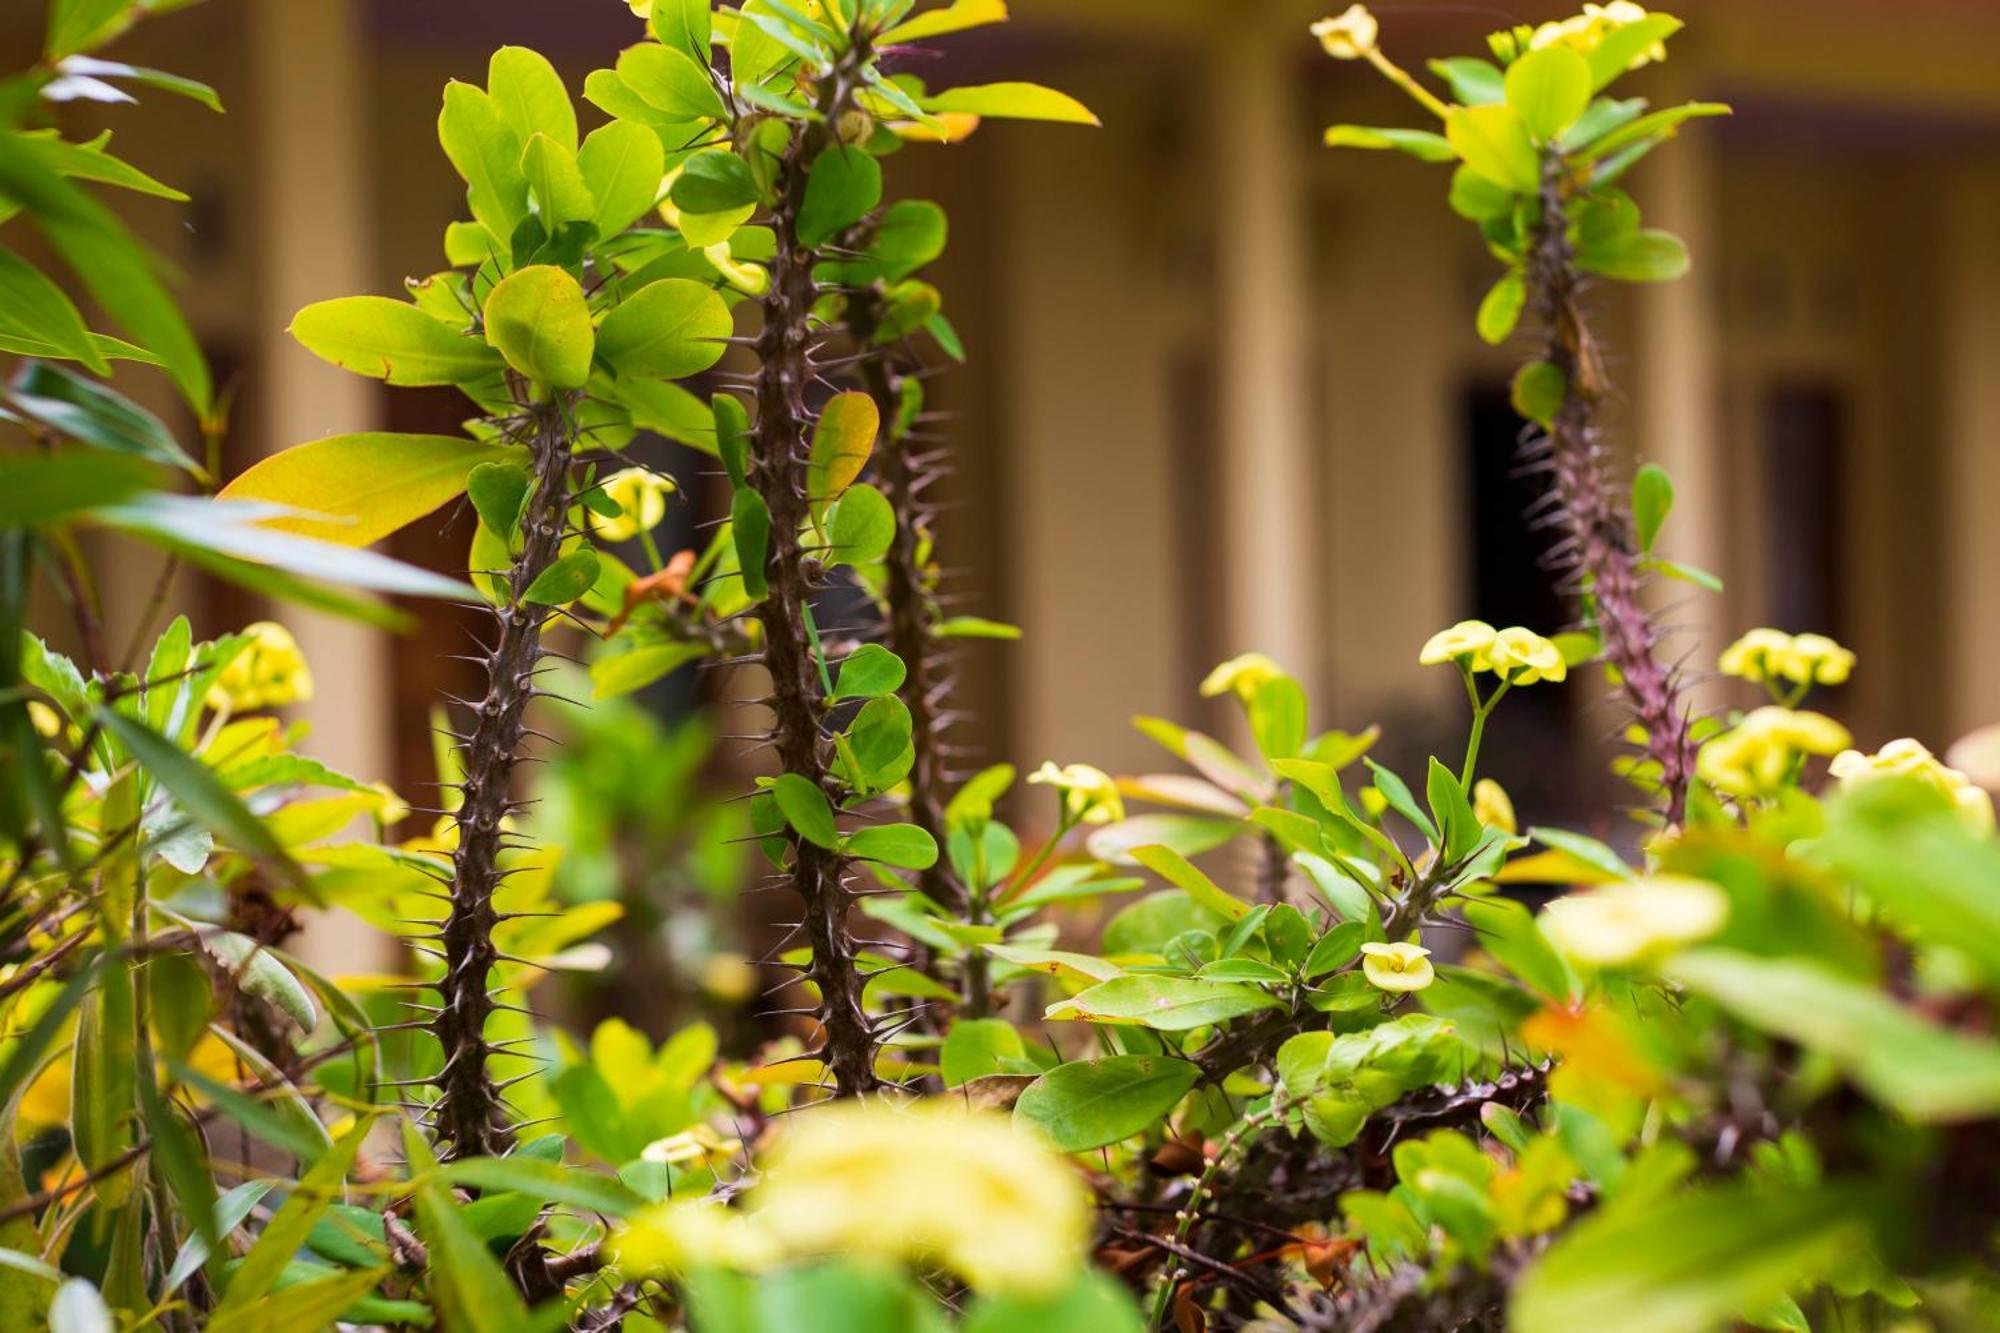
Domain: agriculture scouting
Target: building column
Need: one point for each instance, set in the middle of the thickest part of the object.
(1677, 406)
(1971, 392)
(1268, 557)
(314, 229)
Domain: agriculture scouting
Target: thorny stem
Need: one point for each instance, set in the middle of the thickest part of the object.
(779, 472)
(912, 608)
(470, 1117)
(1204, 1187)
(1599, 544)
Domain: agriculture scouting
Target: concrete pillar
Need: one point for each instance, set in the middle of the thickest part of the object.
(314, 230)
(1268, 549)
(1971, 383)
(1676, 391)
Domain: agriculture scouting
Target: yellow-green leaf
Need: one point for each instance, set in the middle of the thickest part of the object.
(954, 17)
(392, 341)
(666, 330)
(1494, 142)
(841, 443)
(366, 485)
(1549, 88)
(1177, 870)
(1012, 101)
(529, 95)
(622, 164)
(538, 319)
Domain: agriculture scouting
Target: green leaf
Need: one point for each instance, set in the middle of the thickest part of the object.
(1092, 1103)
(879, 737)
(539, 320)
(1922, 1071)
(1094, 1302)
(859, 527)
(903, 845)
(39, 490)
(288, 1228)
(842, 440)
(486, 152)
(1662, 124)
(807, 810)
(1397, 793)
(621, 673)
(750, 525)
(670, 80)
(548, 1182)
(1166, 1004)
(498, 490)
(81, 25)
(622, 164)
(1585, 849)
(1337, 948)
(1674, 569)
(392, 341)
(1011, 101)
(977, 1047)
(1423, 145)
(34, 310)
(314, 1303)
(1494, 141)
(556, 185)
(1478, 199)
(1459, 829)
(732, 436)
(1652, 500)
(1689, 1261)
(529, 95)
(1473, 81)
(1641, 256)
(1539, 391)
(1278, 717)
(842, 186)
(714, 181)
(92, 414)
(869, 672)
(684, 25)
(1508, 932)
(1549, 88)
(355, 490)
(666, 330)
(197, 790)
(1500, 311)
(1177, 870)
(472, 1292)
(565, 579)
(1618, 48)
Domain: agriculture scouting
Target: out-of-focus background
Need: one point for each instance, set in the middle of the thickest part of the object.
(1224, 391)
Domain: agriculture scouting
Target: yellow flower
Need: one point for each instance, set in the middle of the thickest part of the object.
(269, 672)
(1617, 924)
(641, 496)
(1349, 37)
(1466, 639)
(1584, 32)
(1757, 756)
(1804, 659)
(929, 1183)
(643, 8)
(1397, 967)
(1522, 657)
(48, 723)
(699, 1144)
(751, 279)
(1492, 807)
(1088, 794)
(1243, 676)
(1907, 758)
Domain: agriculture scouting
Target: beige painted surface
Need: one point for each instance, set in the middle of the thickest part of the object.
(1972, 435)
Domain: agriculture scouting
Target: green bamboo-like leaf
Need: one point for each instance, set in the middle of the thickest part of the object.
(471, 1291)
(549, 1182)
(34, 309)
(197, 790)
(288, 1228)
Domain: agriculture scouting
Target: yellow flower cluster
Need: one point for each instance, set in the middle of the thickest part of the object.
(928, 1183)
(1758, 755)
(1907, 758)
(1242, 676)
(1635, 919)
(1803, 659)
(1397, 967)
(1089, 796)
(1584, 32)
(1349, 37)
(641, 496)
(1518, 656)
(269, 672)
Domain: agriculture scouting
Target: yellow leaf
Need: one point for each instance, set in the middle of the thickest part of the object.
(841, 443)
(357, 489)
